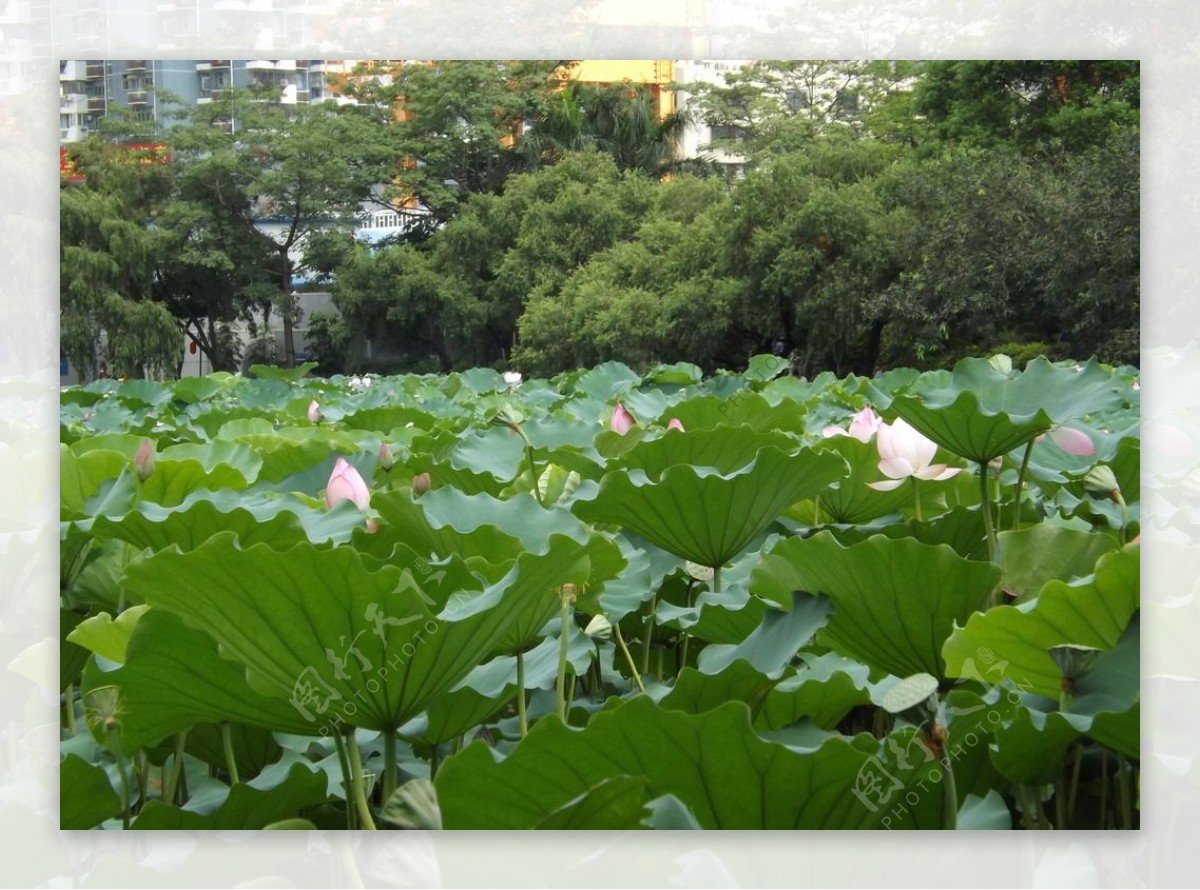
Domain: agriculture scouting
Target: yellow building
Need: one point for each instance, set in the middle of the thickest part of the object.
(653, 73)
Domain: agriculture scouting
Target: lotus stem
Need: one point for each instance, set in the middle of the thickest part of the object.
(916, 497)
(1021, 484)
(69, 702)
(114, 743)
(1103, 787)
(1124, 792)
(389, 764)
(347, 780)
(1074, 781)
(560, 684)
(537, 492)
(230, 759)
(522, 717)
(949, 796)
(172, 786)
(637, 678)
(143, 776)
(357, 780)
(1031, 807)
(716, 579)
(985, 505)
(817, 510)
(649, 633)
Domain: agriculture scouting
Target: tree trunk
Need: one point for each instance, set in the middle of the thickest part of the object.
(289, 343)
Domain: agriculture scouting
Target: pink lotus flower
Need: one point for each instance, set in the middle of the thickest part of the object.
(905, 453)
(1072, 441)
(622, 421)
(314, 412)
(674, 424)
(862, 427)
(143, 461)
(345, 484)
(421, 483)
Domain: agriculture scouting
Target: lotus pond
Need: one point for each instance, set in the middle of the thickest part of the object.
(604, 600)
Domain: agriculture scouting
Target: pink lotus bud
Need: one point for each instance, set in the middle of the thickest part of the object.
(674, 424)
(421, 483)
(345, 484)
(314, 412)
(863, 426)
(622, 421)
(385, 456)
(143, 461)
(1073, 441)
(372, 526)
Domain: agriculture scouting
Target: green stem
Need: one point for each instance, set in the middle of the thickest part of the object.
(172, 787)
(716, 579)
(646, 638)
(949, 796)
(230, 760)
(916, 497)
(1060, 804)
(389, 764)
(537, 493)
(435, 761)
(1103, 786)
(817, 510)
(347, 780)
(687, 601)
(628, 658)
(1031, 807)
(571, 692)
(142, 763)
(1124, 791)
(985, 505)
(69, 700)
(1074, 781)
(560, 684)
(1123, 534)
(114, 743)
(1020, 485)
(356, 779)
(522, 717)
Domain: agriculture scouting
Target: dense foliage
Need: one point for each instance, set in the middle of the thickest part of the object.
(605, 599)
(887, 214)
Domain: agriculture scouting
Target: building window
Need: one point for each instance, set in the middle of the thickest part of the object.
(737, 134)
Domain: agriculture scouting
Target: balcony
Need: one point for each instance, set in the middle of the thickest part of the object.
(260, 65)
(94, 70)
(138, 97)
(73, 103)
(138, 65)
(97, 104)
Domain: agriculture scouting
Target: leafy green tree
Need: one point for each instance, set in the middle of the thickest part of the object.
(1062, 105)
(659, 295)
(774, 107)
(108, 314)
(265, 177)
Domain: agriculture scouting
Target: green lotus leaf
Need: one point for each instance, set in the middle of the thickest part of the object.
(823, 691)
(704, 515)
(413, 807)
(1093, 612)
(987, 813)
(614, 804)
(294, 450)
(744, 407)
(698, 691)
(762, 369)
(678, 374)
(980, 413)
(895, 600)
(71, 657)
(211, 455)
(385, 418)
(289, 375)
(604, 381)
(81, 477)
(174, 678)
(852, 500)
(344, 642)
(256, 519)
(276, 793)
(713, 762)
(727, 616)
(774, 643)
(107, 636)
(724, 449)
(88, 797)
(1034, 556)
(254, 748)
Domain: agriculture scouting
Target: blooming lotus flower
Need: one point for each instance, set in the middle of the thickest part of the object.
(905, 453)
(512, 378)
(622, 421)
(862, 427)
(314, 412)
(345, 484)
(674, 424)
(143, 461)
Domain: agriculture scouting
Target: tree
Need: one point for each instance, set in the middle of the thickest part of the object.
(775, 107)
(1065, 106)
(267, 176)
(458, 124)
(108, 311)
